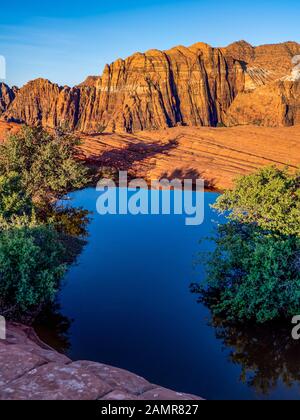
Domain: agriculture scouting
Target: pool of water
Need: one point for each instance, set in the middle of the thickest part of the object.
(127, 303)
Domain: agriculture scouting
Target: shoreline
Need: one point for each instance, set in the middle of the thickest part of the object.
(34, 371)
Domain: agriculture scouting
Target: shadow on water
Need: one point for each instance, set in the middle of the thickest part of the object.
(53, 327)
(266, 354)
(251, 288)
(50, 324)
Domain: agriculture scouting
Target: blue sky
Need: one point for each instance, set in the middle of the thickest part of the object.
(67, 40)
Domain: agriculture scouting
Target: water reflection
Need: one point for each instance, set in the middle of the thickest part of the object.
(266, 353)
(53, 327)
(129, 296)
(72, 224)
(251, 288)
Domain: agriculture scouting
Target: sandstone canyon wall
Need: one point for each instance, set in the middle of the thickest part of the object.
(7, 95)
(195, 86)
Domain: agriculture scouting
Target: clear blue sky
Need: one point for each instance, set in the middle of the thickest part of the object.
(67, 40)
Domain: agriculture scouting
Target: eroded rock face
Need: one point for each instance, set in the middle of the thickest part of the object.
(42, 102)
(7, 95)
(195, 86)
(274, 104)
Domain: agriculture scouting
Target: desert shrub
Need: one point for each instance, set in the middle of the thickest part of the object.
(39, 236)
(253, 274)
(31, 266)
(269, 198)
(100, 128)
(13, 197)
(46, 163)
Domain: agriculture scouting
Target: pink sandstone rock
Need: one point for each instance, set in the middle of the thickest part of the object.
(119, 395)
(117, 378)
(31, 370)
(166, 395)
(56, 382)
(15, 361)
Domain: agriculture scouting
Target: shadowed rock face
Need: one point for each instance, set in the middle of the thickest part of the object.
(7, 95)
(195, 86)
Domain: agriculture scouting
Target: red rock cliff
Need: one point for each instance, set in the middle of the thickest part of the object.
(7, 95)
(195, 86)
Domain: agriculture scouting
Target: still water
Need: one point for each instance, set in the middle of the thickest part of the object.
(127, 303)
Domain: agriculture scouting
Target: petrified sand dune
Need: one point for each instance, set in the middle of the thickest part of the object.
(218, 155)
(187, 86)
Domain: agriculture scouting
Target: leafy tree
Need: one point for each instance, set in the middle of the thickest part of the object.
(254, 271)
(31, 266)
(252, 275)
(13, 199)
(47, 163)
(269, 198)
(39, 238)
(69, 220)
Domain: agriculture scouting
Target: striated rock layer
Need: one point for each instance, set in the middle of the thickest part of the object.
(195, 86)
(218, 155)
(7, 95)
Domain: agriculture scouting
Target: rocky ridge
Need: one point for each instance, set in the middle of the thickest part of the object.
(7, 95)
(195, 86)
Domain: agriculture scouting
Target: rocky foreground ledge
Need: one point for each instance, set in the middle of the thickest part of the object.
(31, 370)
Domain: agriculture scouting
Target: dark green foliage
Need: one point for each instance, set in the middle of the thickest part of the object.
(46, 163)
(13, 199)
(269, 198)
(266, 354)
(252, 275)
(254, 272)
(39, 239)
(31, 265)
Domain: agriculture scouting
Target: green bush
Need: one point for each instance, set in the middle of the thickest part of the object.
(13, 199)
(46, 163)
(269, 199)
(39, 239)
(253, 274)
(31, 266)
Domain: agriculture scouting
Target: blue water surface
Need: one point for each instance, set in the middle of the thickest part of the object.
(131, 305)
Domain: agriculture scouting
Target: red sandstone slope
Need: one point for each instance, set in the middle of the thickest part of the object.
(218, 155)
